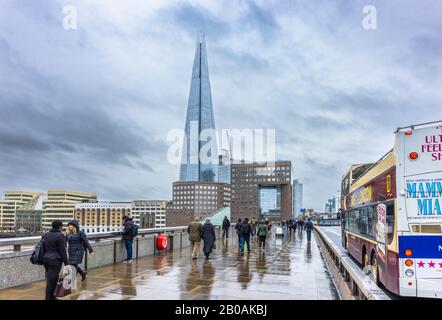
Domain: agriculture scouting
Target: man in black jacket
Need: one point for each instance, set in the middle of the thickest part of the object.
(54, 255)
(308, 228)
(128, 237)
(226, 226)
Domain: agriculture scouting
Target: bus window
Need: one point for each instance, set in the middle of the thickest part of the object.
(363, 221)
(353, 221)
(372, 221)
(390, 222)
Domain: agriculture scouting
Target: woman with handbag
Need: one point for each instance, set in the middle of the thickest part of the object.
(54, 248)
(77, 243)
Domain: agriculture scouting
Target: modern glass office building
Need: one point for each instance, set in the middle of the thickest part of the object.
(199, 119)
(298, 198)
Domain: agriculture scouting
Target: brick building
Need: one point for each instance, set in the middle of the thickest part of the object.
(261, 190)
(191, 199)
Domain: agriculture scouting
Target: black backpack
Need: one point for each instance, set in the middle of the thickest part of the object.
(135, 230)
(37, 255)
(244, 229)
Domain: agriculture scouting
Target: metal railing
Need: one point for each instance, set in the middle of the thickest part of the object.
(360, 284)
(18, 242)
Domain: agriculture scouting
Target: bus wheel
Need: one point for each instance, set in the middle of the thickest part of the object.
(365, 262)
(375, 269)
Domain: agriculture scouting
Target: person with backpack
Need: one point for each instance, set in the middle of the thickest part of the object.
(77, 244)
(129, 233)
(54, 255)
(308, 228)
(226, 226)
(262, 234)
(195, 230)
(245, 230)
(238, 224)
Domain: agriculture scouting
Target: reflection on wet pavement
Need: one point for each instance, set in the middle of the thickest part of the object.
(288, 268)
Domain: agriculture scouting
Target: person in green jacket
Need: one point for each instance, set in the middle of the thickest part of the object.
(262, 232)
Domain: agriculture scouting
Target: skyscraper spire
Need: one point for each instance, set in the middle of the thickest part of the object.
(199, 117)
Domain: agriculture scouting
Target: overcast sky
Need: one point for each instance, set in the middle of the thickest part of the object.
(89, 109)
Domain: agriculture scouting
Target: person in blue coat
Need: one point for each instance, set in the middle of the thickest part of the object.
(77, 243)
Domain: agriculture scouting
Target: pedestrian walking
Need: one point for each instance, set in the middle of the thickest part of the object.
(77, 244)
(195, 230)
(300, 224)
(262, 234)
(238, 224)
(295, 224)
(245, 231)
(54, 248)
(226, 226)
(209, 238)
(128, 237)
(253, 224)
(290, 226)
(308, 229)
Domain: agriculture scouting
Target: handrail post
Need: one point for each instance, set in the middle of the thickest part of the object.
(115, 251)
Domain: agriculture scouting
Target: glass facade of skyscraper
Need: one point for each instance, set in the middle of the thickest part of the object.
(199, 119)
(298, 198)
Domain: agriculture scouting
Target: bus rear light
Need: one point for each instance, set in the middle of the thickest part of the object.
(409, 263)
(413, 156)
(408, 133)
(408, 253)
(410, 283)
(409, 273)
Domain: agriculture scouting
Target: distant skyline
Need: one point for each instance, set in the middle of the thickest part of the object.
(90, 109)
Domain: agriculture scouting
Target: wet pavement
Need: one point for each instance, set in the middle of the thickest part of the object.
(335, 234)
(288, 269)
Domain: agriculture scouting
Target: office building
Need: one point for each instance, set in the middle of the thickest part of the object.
(102, 216)
(199, 118)
(298, 198)
(224, 167)
(149, 213)
(261, 190)
(14, 200)
(60, 205)
(192, 199)
(330, 207)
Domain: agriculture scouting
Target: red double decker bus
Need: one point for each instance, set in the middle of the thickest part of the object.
(392, 213)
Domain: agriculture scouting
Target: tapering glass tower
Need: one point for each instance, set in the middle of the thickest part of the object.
(197, 165)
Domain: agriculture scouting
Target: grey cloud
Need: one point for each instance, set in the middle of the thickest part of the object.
(195, 19)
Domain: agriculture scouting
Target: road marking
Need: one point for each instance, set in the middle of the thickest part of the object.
(338, 234)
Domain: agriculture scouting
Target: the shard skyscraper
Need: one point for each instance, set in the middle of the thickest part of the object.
(199, 158)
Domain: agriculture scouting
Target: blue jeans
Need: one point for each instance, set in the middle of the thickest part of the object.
(309, 235)
(128, 245)
(245, 239)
